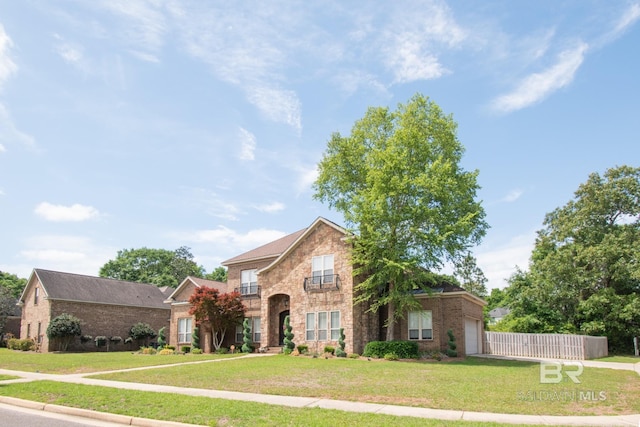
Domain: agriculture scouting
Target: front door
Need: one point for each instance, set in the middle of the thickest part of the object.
(282, 316)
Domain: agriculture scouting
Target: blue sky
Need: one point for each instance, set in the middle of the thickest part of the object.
(156, 123)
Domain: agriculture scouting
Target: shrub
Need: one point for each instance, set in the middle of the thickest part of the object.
(196, 351)
(63, 329)
(289, 345)
(247, 346)
(195, 338)
(129, 340)
(402, 349)
(85, 339)
(101, 341)
(142, 332)
(170, 347)
(147, 350)
(329, 349)
(161, 338)
(451, 351)
(24, 345)
(222, 350)
(303, 349)
(390, 356)
(185, 348)
(354, 356)
(165, 351)
(115, 339)
(340, 350)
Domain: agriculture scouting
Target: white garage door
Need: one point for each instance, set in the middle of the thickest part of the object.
(471, 336)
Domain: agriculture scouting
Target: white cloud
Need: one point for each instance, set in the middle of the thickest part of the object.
(74, 254)
(498, 264)
(71, 54)
(278, 105)
(9, 132)
(512, 196)
(628, 18)
(227, 238)
(2, 149)
(247, 145)
(271, 207)
(412, 52)
(538, 86)
(60, 213)
(7, 66)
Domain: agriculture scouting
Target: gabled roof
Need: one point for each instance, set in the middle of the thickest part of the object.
(499, 312)
(303, 234)
(269, 250)
(98, 290)
(198, 283)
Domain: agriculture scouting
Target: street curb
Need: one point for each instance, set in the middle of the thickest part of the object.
(86, 413)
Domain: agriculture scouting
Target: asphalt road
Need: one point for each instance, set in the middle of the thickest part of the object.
(13, 416)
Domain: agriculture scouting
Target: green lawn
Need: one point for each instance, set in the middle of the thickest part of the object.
(620, 359)
(7, 377)
(79, 363)
(205, 411)
(474, 384)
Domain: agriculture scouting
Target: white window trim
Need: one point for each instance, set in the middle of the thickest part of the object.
(421, 327)
(324, 274)
(329, 330)
(185, 330)
(249, 286)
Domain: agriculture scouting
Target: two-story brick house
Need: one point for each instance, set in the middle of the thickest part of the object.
(307, 275)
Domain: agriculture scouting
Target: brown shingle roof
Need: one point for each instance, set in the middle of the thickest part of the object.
(220, 286)
(77, 287)
(270, 250)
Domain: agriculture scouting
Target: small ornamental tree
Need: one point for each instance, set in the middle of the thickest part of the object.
(451, 351)
(220, 311)
(247, 346)
(195, 338)
(340, 350)
(162, 341)
(142, 332)
(289, 345)
(63, 330)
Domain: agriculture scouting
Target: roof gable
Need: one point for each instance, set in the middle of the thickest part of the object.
(99, 290)
(198, 283)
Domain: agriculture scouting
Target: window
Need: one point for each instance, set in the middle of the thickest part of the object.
(420, 327)
(248, 282)
(322, 269)
(28, 330)
(311, 327)
(335, 325)
(254, 325)
(184, 330)
(39, 337)
(320, 324)
(36, 296)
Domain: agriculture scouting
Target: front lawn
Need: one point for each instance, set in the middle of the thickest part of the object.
(206, 411)
(474, 384)
(80, 363)
(619, 359)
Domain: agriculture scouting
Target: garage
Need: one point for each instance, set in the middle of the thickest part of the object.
(471, 335)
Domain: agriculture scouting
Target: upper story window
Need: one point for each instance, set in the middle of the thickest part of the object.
(322, 269)
(249, 282)
(36, 295)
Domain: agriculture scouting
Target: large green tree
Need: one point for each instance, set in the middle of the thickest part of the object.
(410, 206)
(470, 276)
(13, 283)
(158, 266)
(7, 307)
(219, 274)
(584, 274)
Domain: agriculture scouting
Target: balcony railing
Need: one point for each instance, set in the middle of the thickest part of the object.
(249, 291)
(327, 282)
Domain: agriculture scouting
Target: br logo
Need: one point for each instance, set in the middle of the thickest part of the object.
(553, 372)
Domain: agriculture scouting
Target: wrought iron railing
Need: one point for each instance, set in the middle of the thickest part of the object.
(325, 282)
(249, 291)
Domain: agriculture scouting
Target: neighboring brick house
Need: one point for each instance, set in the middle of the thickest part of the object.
(106, 307)
(183, 323)
(308, 276)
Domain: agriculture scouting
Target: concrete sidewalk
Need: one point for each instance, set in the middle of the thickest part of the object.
(310, 402)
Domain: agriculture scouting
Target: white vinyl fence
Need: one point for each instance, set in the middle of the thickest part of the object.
(548, 346)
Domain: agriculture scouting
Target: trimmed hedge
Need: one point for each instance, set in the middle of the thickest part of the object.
(402, 349)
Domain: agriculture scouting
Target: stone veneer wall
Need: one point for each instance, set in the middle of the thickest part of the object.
(34, 314)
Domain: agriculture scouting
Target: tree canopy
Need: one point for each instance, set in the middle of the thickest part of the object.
(158, 266)
(219, 274)
(470, 276)
(7, 307)
(410, 206)
(13, 283)
(220, 311)
(584, 274)
(63, 329)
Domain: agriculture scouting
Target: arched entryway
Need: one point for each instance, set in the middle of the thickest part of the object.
(278, 310)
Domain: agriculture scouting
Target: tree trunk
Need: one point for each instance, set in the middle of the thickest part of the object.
(391, 315)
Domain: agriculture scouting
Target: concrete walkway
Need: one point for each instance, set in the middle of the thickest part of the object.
(305, 402)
